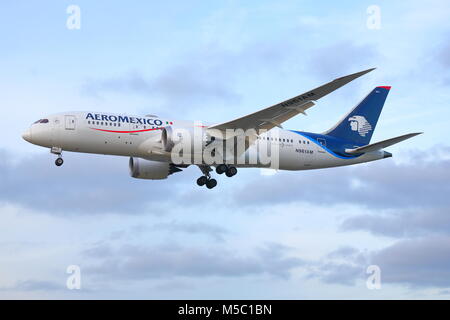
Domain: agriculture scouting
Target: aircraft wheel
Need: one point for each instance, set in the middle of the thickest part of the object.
(211, 183)
(221, 168)
(59, 162)
(231, 171)
(202, 181)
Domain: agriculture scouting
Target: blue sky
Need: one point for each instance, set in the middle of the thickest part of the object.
(294, 235)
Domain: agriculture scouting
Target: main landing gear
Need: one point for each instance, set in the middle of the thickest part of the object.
(220, 169)
(229, 170)
(208, 181)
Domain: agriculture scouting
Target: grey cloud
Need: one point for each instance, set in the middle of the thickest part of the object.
(343, 252)
(442, 60)
(203, 73)
(35, 285)
(206, 74)
(338, 273)
(193, 228)
(85, 184)
(416, 262)
(344, 265)
(377, 185)
(407, 201)
(402, 223)
(132, 82)
(396, 200)
(342, 57)
(216, 232)
(174, 286)
(172, 260)
(179, 86)
(422, 262)
(443, 55)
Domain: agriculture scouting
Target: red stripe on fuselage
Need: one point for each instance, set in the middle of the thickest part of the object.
(115, 131)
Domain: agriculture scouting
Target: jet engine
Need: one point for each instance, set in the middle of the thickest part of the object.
(154, 170)
(170, 136)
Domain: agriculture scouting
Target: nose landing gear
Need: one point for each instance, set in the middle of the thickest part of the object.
(59, 161)
(58, 151)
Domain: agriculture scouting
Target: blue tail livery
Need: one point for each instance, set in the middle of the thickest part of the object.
(359, 124)
(350, 137)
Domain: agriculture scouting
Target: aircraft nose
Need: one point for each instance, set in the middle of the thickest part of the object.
(26, 135)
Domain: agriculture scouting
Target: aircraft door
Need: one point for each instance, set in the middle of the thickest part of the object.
(70, 122)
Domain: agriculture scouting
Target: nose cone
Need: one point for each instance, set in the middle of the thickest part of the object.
(27, 135)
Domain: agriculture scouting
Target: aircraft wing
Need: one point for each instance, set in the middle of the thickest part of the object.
(275, 115)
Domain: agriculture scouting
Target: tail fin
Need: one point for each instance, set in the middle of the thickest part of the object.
(358, 125)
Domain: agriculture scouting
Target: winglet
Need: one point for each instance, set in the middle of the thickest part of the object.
(356, 75)
(325, 89)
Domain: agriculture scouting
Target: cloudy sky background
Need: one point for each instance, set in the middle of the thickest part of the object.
(290, 235)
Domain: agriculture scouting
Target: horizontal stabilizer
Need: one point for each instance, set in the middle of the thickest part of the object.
(382, 144)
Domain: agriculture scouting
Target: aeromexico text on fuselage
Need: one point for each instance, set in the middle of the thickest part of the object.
(126, 119)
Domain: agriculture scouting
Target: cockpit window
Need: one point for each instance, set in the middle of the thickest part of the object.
(41, 121)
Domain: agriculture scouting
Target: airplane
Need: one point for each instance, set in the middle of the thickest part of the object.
(154, 145)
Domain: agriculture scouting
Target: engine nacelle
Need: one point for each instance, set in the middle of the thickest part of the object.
(170, 136)
(167, 139)
(146, 169)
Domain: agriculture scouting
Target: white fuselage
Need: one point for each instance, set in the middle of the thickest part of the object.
(135, 136)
